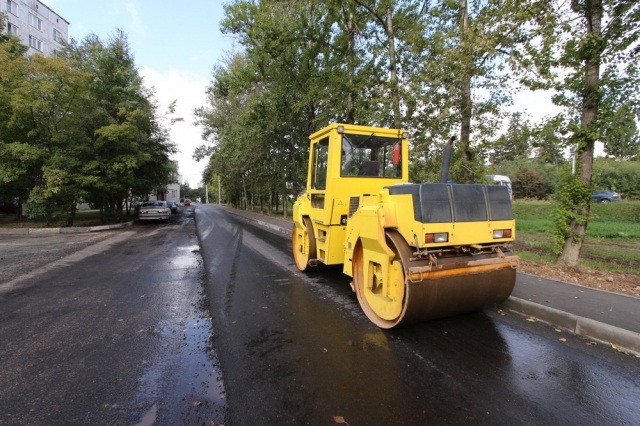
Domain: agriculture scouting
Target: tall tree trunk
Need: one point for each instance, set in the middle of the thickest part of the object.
(311, 107)
(393, 72)
(465, 95)
(72, 213)
(350, 69)
(590, 101)
(244, 193)
(293, 173)
(285, 198)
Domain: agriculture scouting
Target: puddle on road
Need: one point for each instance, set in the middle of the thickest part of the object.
(187, 384)
(186, 258)
(183, 383)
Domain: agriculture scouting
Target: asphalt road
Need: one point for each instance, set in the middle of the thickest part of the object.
(296, 349)
(105, 329)
(213, 324)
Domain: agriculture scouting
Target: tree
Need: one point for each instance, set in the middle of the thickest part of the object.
(594, 35)
(515, 143)
(620, 136)
(47, 110)
(19, 160)
(465, 79)
(128, 147)
(78, 125)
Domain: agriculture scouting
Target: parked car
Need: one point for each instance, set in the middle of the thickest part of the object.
(173, 206)
(605, 196)
(8, 207)
(187, 202)
(155, 210)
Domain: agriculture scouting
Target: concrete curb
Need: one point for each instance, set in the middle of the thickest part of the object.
(581, 326)
(72, 230)
(262, 223)
(270, 226)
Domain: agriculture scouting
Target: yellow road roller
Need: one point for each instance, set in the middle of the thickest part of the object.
(415, 251)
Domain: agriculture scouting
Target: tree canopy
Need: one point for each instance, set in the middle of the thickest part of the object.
(79, 126)
(435, 68)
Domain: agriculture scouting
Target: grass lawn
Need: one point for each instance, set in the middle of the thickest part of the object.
(612, 242)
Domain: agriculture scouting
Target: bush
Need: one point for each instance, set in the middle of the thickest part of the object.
(620, 176)
(527, 183)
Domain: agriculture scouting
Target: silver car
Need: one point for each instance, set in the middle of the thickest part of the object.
(154, 210)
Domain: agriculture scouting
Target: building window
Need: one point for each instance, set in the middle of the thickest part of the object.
(12, 29)
(35, 43)
(12, 7)
(35, 22)
(57, 36)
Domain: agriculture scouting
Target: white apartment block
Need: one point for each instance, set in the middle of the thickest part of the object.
(37, 25)
(172, 192)
(173, 189)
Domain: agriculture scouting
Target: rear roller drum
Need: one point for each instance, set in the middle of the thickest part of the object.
(303, 243)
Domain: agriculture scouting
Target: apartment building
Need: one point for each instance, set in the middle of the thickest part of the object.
(172, 191)
(36, 24)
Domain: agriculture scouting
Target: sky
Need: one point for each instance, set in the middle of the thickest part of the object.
(175, 45)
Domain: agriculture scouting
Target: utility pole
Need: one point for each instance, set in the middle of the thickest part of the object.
(218, 189)
(206, 193)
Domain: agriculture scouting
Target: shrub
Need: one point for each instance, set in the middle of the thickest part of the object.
(620, 176)
(527, 183)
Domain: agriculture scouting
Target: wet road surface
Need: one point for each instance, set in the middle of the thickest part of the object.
(296, 349)
(107, 329)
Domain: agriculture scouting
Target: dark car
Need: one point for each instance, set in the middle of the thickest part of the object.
(173, 206)
(8, 207)
(605, 196)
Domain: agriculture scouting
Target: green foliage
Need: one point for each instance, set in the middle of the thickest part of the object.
(625, 211)
(585, 53)
(186, 191)
(78, 126)
(515, 143)
(549, 138)
(619, 176)
(527, 183)
(621, 137)
(571, 205)
(307, 64)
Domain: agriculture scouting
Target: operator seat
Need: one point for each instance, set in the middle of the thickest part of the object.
(369, 168)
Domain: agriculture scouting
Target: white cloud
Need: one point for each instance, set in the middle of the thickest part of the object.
(536, 103)
(189, 90)
(135, 26)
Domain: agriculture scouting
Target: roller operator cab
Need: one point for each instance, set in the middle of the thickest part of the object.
(415, 251)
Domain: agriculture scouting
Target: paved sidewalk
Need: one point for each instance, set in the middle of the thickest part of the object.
(69, 230)
(596, 314)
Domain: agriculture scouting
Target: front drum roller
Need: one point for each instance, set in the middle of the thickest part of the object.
(417, 290)
(303, 243)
